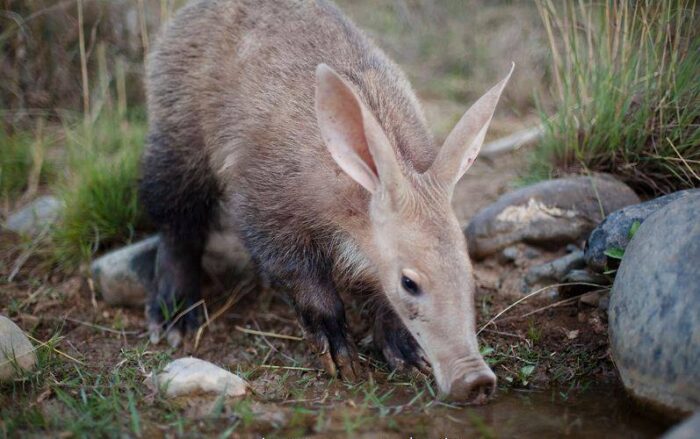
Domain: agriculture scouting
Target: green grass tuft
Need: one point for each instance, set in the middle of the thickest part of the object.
(21, 163)
(15, 163)
(101, 190)
(627, 91)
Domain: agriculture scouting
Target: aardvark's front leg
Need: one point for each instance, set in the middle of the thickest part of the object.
(321, 314)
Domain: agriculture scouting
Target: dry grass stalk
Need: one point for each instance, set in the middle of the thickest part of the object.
(83, 64)
(236, 295)
(528, 296)
(268, 334)
(37, 162)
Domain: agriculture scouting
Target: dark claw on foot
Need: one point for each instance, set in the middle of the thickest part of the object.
(335, 351)
(397, 345)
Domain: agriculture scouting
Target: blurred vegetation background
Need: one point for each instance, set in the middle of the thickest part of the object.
(614, 83)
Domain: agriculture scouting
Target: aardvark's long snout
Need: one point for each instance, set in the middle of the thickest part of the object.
(475, 385)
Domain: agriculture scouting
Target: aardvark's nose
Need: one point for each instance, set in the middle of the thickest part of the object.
(474, 388)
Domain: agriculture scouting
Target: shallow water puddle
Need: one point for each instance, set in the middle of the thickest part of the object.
(596, 413)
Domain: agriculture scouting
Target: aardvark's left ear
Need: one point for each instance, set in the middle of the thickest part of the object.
(464, 142)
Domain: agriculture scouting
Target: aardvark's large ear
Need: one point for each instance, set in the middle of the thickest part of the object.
(353, 136)
(464, 142)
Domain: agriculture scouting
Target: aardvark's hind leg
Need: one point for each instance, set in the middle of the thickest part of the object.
(172, 306)
(179, 192)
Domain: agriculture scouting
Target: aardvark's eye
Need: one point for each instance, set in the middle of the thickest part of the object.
(410, 285)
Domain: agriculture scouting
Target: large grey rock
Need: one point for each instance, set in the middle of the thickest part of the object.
(16, 351)
(614, 231)
(124, 276)
(654, 311)
(553, 213)
(36, 216)
(688, 429)
(191, 376)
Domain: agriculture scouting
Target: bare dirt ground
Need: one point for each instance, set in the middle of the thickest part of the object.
(563, 349)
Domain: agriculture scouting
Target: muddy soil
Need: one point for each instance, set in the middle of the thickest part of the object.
(551, 357)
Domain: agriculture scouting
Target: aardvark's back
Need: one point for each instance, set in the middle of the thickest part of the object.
(236, 79)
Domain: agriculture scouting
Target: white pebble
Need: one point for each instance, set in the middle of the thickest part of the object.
(15, 350)
(192, 376)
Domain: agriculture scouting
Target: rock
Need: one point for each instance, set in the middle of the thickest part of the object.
(586, 276)
(489, 279)
(654, 310)
(226, 259)
(556, 270)
(124, 276)
(531, 252)
(518, 254)
(510, 254)
(614, 231)
(554, 213)
(16, 351)
(688, 429)
(570, 248)
(33, 218)
(572, 335)
(191, 376)
(591, 298)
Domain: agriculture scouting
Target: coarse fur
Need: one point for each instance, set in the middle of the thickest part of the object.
(235, 147)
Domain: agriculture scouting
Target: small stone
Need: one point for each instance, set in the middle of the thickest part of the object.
(269, 415)
(654, 311)
(572, 335)
(488, 279)
(688, 429)
(551, 213)
(532, 252)
(570, 248)
(552, 294)
(16, 351)
(555, 270)
(192, 376)
(510, 254)
(604, 302)
(35, 217)
(614, 231)
(586, 276)
(591, 298)
(124, 276)
(595, 322)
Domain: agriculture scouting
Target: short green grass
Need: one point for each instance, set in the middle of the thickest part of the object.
(627, 91)
(15, 163)
(91, 401)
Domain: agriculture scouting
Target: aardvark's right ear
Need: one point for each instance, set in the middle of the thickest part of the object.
(351, 133)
